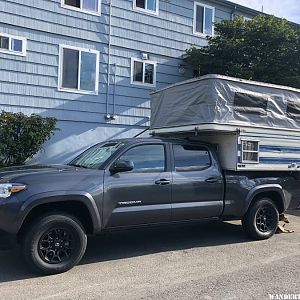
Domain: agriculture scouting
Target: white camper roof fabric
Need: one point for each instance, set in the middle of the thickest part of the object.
(216, 99)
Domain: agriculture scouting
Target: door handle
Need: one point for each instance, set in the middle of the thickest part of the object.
(212, 180)
(162, 182)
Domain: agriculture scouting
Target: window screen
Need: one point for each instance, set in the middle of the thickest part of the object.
(199, 18)
(190, 158)
(4, 42)
(75, 3)
(293, 110)
(248, 103)
(138, 71)
(70, 68)
(141, 3)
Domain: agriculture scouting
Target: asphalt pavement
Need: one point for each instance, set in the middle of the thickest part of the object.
(195, 261)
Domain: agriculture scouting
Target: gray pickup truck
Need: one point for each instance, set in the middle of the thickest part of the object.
(133, 182)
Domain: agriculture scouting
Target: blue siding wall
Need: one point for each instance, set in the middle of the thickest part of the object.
(29, 84)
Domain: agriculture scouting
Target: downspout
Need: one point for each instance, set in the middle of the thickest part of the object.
(107, 115)
(114, 92)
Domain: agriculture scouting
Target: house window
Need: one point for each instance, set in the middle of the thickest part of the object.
(250, 151)
(203, 19)
(149, 6)
(78, 70)
(12, 44)
(143, 72)
(87, 6)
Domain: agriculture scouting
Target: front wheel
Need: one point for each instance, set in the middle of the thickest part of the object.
(54, 244)
(261, 219)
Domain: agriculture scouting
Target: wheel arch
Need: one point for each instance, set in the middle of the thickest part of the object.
(81, 206)
(273, 192)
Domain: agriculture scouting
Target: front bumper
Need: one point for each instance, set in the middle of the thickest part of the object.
(9, 210)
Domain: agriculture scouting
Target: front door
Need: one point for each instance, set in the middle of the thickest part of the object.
(197, 188)
(140, 196)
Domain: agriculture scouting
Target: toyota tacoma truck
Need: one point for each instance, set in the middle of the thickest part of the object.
(51, 209)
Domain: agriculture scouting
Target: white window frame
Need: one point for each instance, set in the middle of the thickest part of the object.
(95, 13)
(60, 70)
(203, 25)
(250, 151)
(9, 50)
(133, 59)
(145, 10)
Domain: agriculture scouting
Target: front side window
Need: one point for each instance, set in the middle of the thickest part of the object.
(12, 44)
(88, 6)
(146, 158)
(79, 69)
(150, 6)
(203, 19)
(143, 72)
(189, 158)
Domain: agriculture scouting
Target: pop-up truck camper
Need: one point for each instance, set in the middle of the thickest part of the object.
(255, 126)
(225, 149)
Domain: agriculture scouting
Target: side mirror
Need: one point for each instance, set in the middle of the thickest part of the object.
(121, 166)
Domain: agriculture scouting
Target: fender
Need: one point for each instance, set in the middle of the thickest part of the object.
(60, 196)
(262, 189)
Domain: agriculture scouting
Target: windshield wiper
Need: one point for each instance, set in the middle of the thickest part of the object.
(78, 166)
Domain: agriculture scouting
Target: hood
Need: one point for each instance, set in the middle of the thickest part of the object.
(11, 173)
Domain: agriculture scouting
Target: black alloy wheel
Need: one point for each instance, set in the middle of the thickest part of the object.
(54, 243)
(261, 220)
(266, 218)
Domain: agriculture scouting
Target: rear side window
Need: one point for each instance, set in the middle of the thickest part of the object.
(191, 158)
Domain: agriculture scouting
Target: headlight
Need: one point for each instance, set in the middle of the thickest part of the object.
(6, 189)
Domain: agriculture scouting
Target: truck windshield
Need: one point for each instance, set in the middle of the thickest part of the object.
(95, 156)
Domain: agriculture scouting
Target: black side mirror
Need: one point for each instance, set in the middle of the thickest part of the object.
(121, 166)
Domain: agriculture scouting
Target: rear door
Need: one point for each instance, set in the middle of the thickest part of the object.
(143, 195)
(197, 189)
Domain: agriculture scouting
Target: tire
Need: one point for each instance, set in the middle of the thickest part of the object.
(54, 244)
(261, 219)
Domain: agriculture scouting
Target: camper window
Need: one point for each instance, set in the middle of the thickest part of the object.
(250, 151)
(293, 110)
(249, 103)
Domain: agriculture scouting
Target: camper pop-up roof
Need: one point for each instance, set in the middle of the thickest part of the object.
(215, 99)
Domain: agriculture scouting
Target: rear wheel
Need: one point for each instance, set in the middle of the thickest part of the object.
(261, 219)
(54, 244)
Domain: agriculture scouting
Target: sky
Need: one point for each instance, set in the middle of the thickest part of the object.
(288, 9)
